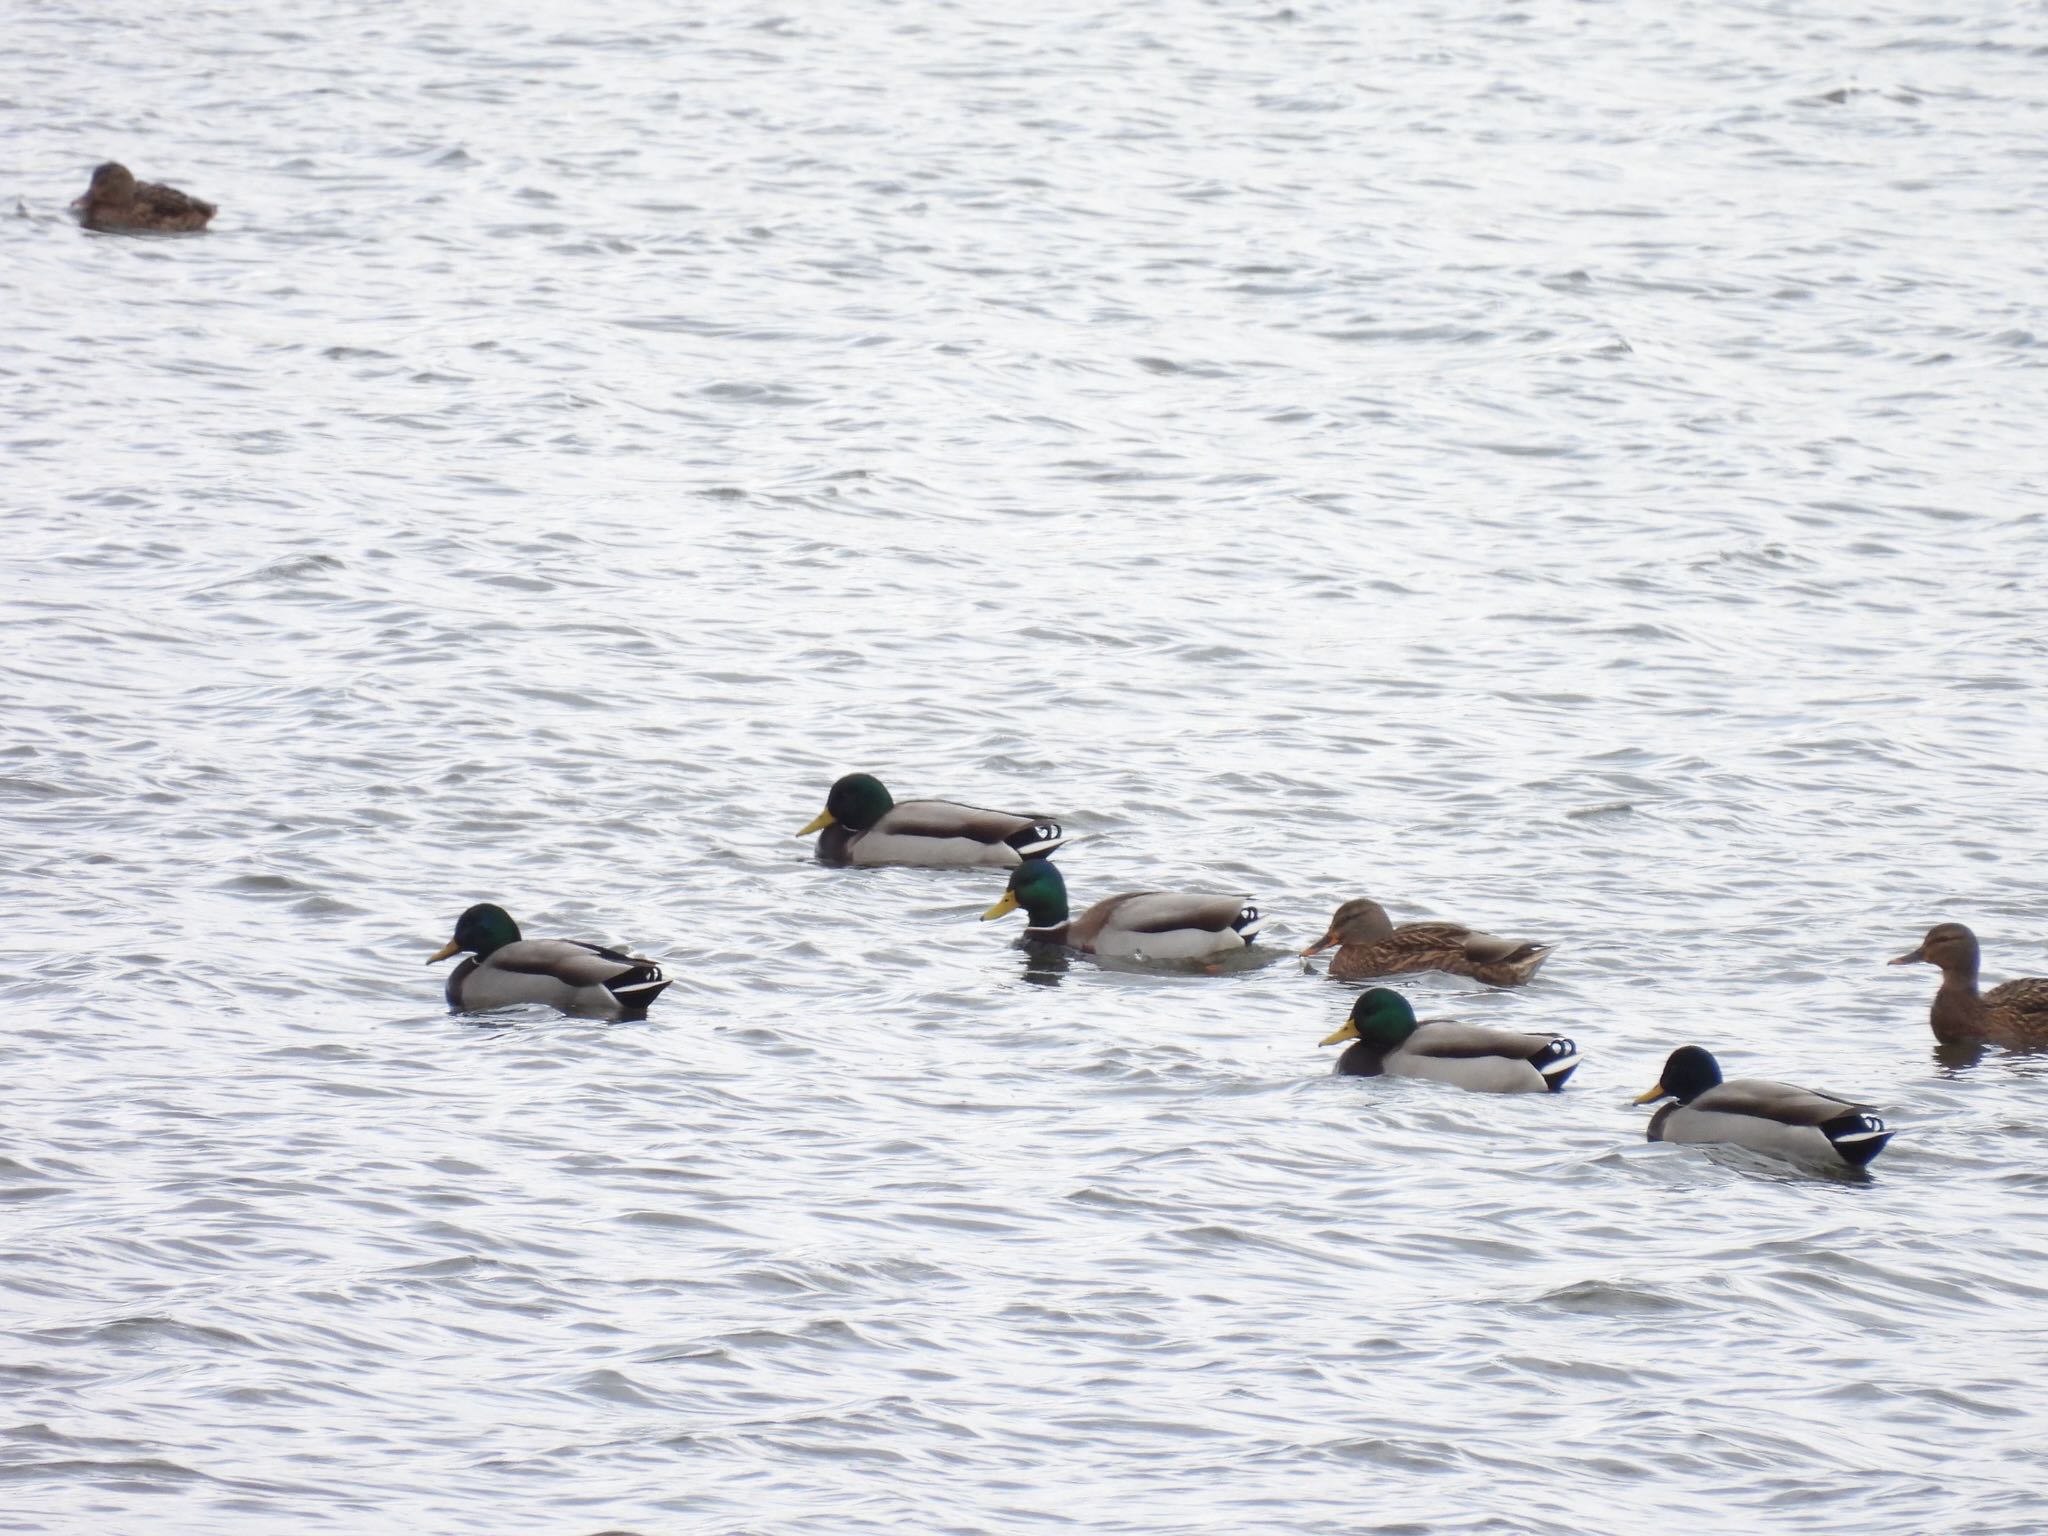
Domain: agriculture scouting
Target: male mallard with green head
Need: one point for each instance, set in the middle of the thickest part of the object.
(504, 970)
(1368, 944)
(2013, 1013)
(1138, 925)
(1764, 1116)
(863, 825)
(1390, 1041)
(116, 203)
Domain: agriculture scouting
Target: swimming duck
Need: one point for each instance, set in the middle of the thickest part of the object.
(116, 203)
(1368, 944)
(1138, 925)
(1751, 1112)
(504, 969)
(863, 825)
(2013, 1013)
(1391, 1042)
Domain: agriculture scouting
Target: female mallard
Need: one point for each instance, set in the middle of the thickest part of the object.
(2013, 1013)
(116, 203)
(1390, 1041)
(1764, 1116)
(1368, 944)
(1138, 925)
(863, 825)
(504, 969)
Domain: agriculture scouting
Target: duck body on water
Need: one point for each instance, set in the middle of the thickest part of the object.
(1368, 944)
(117, 204)
(863, 824)
(1135, 925)
(1388, 1040)
(504, 970)
(1799, 1124)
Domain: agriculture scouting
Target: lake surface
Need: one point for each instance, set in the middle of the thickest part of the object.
(1575, 470)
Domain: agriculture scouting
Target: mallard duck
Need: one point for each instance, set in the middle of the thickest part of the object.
(1138, 925)
(863, 825)
(1368, 944)
(504, 969)
(116, 203)
(1777, 1118)
(2013, 1013)
(1391, 1042)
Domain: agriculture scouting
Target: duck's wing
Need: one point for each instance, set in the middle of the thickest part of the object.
(1777, 1118)
(591, 976)
(1762, 1099)
(945, 818)
(2026, 1002)
(1450, 1039)
(1165, 925)
(169, 205)
(1491, 1060)
(953, 820)
(1486, 949)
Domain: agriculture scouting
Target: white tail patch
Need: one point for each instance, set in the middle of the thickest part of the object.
(1044, 836)
(1872, 1129)
(1248, 924)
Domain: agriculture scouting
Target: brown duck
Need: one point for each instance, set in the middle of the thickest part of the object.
(116, 203)
(2013, 1013)
(1368, 944)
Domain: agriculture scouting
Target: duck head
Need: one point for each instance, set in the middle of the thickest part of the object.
(1688, 1072)
(1356, 922)
(1039, 889)
(480, 931)
(1948, 945)
(1381, 1018)
(112, 182)
(856, 802)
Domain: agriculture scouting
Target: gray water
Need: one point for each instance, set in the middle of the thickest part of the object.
(1575, 470)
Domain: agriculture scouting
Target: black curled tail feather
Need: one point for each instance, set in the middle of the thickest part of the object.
(1858, 1136)
(633, 990)
(1248, 923)
(1557, 1061)
(1036, 840)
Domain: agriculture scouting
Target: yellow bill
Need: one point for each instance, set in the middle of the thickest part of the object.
(450, 948)
(1658, 1092)
(1007, 905)
(1348, 1032)
(818, 823)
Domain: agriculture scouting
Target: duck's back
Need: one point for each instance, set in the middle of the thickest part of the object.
(2016, 1013)
(561, 973)
(1786, 1121)
(943, 834)
(1482, 1059)
(155, 208)
(1163, 925)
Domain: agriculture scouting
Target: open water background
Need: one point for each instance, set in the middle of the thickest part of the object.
(1573, 469)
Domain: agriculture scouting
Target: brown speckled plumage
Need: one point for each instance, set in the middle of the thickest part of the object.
(1368, 944)
(116, 203)
(2014, 1013)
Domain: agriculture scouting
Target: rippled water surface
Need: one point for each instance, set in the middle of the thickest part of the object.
(1573, 469)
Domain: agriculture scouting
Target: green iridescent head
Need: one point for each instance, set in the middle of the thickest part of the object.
(856, 803)
(1381, 1018)
(1039, 889)
(480, 931)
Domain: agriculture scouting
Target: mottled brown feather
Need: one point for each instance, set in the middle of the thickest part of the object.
(1368, 944)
